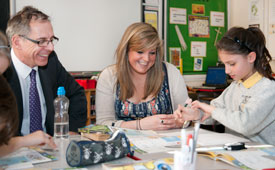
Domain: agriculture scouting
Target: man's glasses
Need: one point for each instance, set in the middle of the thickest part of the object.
(43, 42)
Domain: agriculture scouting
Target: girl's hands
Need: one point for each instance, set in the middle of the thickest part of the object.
(206, 108)
(186, 113)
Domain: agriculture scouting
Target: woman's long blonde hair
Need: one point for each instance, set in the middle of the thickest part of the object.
(139, 37)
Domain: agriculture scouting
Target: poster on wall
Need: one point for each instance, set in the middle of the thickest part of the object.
(178, 16)
(175, 56)
(256, 13)
(198, 64)
(271, 10)
(198, 49)
(181, 39)
(198, 9)
(199, 26)
(218, 32)
(254, 25)
(217, 19)
(151, 17)
(255, 10)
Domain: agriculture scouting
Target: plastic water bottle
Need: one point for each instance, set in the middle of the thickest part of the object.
(61, 118)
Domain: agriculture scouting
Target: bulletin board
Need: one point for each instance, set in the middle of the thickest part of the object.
(193, 29)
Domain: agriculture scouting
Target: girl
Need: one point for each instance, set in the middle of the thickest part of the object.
(247, 106)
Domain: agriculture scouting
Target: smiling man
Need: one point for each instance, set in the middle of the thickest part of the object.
(36, 73)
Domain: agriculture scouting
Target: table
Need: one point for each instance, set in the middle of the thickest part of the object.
(61, 155)
(204, 94)
(202, 162)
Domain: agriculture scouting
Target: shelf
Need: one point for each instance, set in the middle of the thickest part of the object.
(90, 118)
(152, 5)
(155, 6)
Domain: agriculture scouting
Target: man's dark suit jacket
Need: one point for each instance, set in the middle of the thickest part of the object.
(52, 76)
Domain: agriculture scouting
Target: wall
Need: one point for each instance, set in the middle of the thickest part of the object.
(89, 30)
(238, 16)
(83, 45)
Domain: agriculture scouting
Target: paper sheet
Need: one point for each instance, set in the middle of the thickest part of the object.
(215, 139)
(151, 142)
(255, 159)
(25, 158)
(154, 145)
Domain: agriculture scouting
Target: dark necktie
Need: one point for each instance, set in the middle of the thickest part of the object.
(34, 105)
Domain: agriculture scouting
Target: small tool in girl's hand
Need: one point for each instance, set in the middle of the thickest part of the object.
(186, 123)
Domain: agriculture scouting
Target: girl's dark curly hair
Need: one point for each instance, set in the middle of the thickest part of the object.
(242, 41)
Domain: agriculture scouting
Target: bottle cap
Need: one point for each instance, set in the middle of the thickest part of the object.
(61, 90)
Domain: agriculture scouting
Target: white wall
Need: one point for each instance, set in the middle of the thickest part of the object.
(89, 30)
(239, 16)
(237, 13)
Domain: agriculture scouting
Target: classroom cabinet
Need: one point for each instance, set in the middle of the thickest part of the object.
(90, 96)
(88, 81)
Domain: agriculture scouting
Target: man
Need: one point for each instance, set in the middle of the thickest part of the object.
(9, 114)
(32, 40)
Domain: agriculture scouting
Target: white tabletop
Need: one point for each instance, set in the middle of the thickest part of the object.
(201, 163)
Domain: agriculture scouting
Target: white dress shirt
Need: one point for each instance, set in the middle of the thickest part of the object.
(23, 72)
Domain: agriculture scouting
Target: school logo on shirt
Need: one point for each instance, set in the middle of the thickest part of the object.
(244, 101)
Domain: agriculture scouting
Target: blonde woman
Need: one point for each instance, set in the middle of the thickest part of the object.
(141, 90)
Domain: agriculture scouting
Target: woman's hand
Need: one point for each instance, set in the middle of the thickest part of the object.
(159, 122)
(206, 108)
